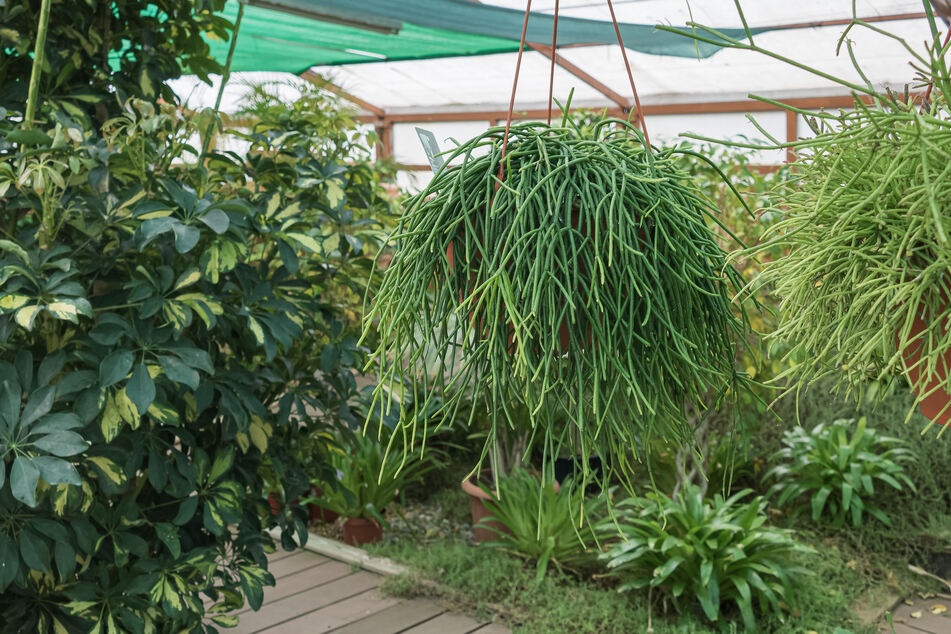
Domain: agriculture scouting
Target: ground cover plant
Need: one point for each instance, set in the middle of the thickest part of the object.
(553, 528)
(834, 469)
(584, 285)
(716, 552)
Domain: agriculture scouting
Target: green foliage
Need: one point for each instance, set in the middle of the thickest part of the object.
(547, 526)
(370, 475)
(587, 286)
(486, 580)
(710, 552)
(100, 54)
(837, 473)
(168, 327)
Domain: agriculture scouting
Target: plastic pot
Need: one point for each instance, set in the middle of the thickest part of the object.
(361, 530)
(935, 406)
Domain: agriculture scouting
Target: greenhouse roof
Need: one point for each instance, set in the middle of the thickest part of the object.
(293, 35)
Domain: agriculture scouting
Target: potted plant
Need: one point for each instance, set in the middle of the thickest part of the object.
(865, 227)
(370, 475)
(585, 282)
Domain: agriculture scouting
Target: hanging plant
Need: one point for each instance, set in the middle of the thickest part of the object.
(866, 222)
(584, 285)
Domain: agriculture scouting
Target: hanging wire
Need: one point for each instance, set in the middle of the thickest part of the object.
(554, 54)
(518, 65)
(637, 102)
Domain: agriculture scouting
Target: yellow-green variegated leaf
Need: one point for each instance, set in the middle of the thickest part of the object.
(163, 414)
(27, 315)
(256, 330)
(108, 468)
(127, 409)
(187, 278)
(306, 241)
(111, 421)
(13, 301)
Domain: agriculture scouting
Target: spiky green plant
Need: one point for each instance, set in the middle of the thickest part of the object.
(577, 278)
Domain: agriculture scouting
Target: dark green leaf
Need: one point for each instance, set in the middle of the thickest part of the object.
(169, 536)
(179, 372)
(38, 405)
(28, 137)
(186, 237)
(50, 367)
(34, 550)
(23, 478)
(62, 443)
(56, 422)
(57, 471)
(115, 367)
(141, 388)
(217, 220)
(65, 558)
(186, 510)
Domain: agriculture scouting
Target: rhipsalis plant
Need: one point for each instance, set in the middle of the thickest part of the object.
(582, 282)
(866, 229)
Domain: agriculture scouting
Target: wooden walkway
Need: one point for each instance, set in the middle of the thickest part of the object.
(921, 616)
(318, 594)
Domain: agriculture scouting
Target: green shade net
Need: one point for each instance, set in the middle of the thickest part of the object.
(272, 40)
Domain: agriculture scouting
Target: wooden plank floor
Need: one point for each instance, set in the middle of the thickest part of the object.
(314, 593)
(922, 616)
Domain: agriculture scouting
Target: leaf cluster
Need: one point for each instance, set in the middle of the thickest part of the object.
(548, 526)
(167, 355)
(715, 553)
(837, 473)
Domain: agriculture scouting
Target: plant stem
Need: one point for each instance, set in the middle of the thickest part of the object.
(225, 75)
(38, 60)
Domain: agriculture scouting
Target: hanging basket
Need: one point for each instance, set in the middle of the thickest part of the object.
(588, 287)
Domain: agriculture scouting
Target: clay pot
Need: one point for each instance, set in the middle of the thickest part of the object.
(482, 521)
(477, 498)
(935, 406)
(275, 501)
(361, 530)
(319, 513)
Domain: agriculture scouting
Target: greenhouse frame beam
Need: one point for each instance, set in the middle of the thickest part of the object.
(581, 74)
(322, 82)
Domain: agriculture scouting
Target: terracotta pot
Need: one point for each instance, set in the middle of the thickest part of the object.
(361, 530)
(935, 406)
(482, 521)
(275, 501)
(319, 513)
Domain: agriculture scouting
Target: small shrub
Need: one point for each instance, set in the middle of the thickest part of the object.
(545, 525)
(369, 477)
(837, 474)
(715, 552)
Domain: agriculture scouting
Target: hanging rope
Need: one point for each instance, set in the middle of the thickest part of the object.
(554, 53)
(518, 65)
(637, 102)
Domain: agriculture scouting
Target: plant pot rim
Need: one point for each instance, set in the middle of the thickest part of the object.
(361, 520)
(474, 490)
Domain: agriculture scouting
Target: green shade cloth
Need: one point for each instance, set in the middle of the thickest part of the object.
(271, 40)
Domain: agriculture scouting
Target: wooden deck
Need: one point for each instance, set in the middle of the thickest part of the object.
(921, 616)
(318, 594)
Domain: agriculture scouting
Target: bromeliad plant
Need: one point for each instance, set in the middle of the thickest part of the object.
(582, 282)
(835, 475)
(717, 553)
(866, 279)
(544, 525)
